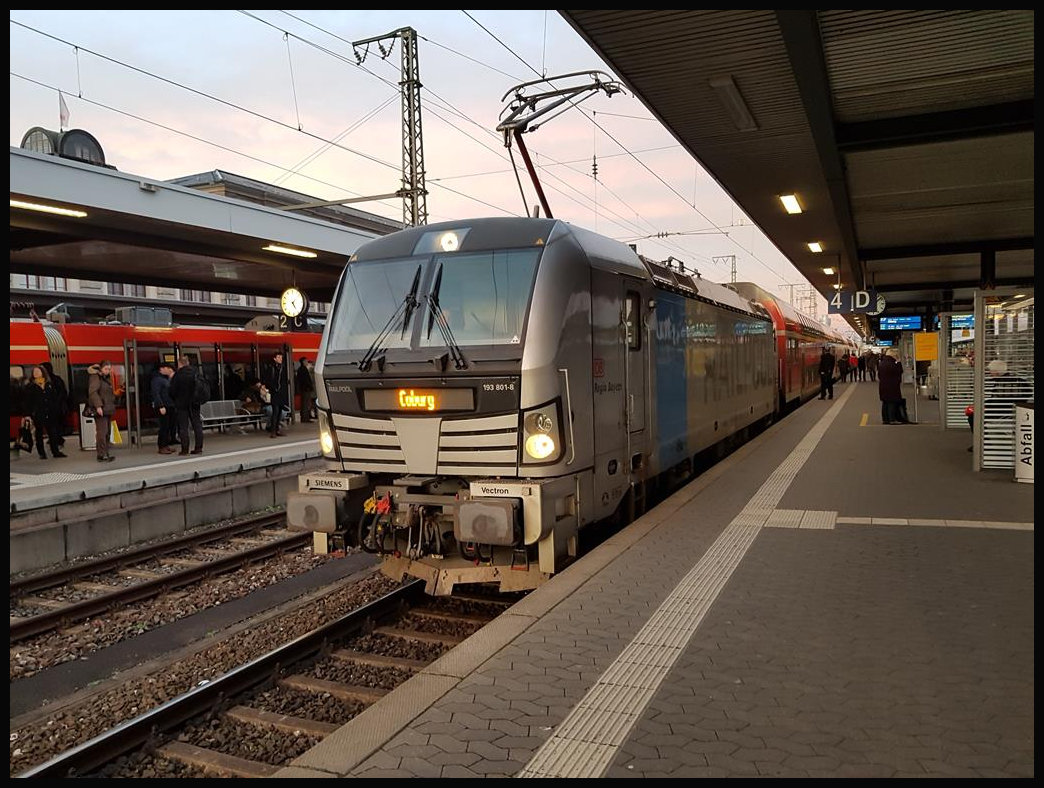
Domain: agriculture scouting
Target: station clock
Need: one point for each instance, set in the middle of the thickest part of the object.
(293, 302)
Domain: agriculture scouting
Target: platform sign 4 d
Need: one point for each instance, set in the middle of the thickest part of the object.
(845, 302)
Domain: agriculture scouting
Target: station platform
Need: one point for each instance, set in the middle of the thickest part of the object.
(65, 508)
(837, 598)
(36, 482)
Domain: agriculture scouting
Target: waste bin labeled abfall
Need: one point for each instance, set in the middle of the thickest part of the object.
(88, 442)
(1024, 442)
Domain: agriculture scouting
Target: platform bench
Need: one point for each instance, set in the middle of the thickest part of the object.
(223, 413)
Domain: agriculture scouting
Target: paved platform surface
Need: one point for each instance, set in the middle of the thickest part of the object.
(36, 482)
(838, 598)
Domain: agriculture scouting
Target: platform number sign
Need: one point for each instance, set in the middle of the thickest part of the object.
(843, 302)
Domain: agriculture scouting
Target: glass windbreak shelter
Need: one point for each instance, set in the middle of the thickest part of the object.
(1003, 372)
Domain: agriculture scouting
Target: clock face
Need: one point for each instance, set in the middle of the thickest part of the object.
(293, 302)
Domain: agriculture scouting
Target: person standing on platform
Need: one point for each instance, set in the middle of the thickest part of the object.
(233, 382)
(862, 366)
(45, 407)
(872, 361)
(306, 388)
(183, 393)
(278, 385)
(826, 373)
(889, 387)
(63, 399)
(165, 408)
(101, 398)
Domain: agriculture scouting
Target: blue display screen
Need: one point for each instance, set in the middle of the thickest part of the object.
(904, 323)
(962, 321)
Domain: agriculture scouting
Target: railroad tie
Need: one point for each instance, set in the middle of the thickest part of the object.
(424, 637)
(379, 660)
(349, 692)
(214, 762)
(439, 615)
(286, 723)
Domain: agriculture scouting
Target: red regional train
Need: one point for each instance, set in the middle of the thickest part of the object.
(229, 357)
(799, 345)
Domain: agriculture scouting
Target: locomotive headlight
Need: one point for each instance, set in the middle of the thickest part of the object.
(539, 422)
(449, 242)
(326, 442)
(540, 446)
(326, 437)
(540, 441)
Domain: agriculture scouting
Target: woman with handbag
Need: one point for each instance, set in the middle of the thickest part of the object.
(101, 398)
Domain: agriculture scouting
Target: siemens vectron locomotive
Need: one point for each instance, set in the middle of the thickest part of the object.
(489, 388)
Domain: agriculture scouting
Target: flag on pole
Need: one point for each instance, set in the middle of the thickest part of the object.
(63, 112)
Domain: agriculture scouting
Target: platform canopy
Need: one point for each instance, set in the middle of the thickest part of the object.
(142, 231)
(907, 136)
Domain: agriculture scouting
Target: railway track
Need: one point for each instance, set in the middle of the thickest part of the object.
(254, 719)
(49, 601)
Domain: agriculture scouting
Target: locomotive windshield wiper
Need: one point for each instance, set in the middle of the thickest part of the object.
(405, 308)
(435, 315)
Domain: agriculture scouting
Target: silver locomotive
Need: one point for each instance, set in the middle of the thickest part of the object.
(488, 388)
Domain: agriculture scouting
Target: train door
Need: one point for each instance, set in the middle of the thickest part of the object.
(132, 389)
(608, 395)
(635, 347)
(634, 329)
(60, 362)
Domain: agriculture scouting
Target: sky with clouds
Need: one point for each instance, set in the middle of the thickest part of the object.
(280, 96)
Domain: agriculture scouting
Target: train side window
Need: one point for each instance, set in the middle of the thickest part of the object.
(632, 320)
(19, 404)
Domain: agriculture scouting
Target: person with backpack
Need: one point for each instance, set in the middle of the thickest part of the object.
(187, 388)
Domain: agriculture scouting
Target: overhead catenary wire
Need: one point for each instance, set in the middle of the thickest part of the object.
(623, 147)
(241, 108)
(546, 162)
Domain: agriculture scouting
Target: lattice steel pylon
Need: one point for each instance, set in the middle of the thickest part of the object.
(731, 259)
(807, 301)
(413, 192)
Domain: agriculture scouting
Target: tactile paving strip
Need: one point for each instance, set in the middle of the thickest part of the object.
(37, 479)
(588, 738)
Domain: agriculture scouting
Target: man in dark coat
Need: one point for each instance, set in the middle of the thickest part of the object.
(889, 387)
(182, 391)
(826, 373)
(872, 362)
(164, 407)
(306, 390)
(278, 384)
(63, 399)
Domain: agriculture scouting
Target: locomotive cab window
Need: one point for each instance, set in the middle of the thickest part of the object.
(632, 320)
(483, 297)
